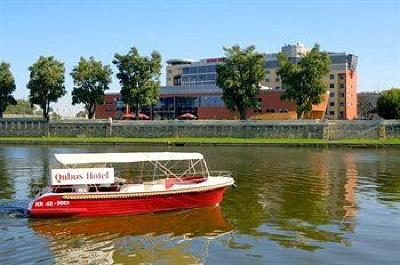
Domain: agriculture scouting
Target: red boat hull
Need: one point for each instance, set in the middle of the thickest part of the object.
(56, 205)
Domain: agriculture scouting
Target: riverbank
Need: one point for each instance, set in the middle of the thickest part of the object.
(165, 129)
(392, 142)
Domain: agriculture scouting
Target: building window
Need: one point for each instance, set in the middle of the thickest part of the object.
(341, 85)
(332, 94)
(202, 69)
(211, 77)
(332, 104)
(283, 111)
(193, 70)
(277, 79)
(342, 95)
(331, 76)
(270, 111)
(331, 112)
(341, 76)
(342, 114)
(177, 81)
(211, 68)
(267, 80)
(331, 85)
(277, 87)
(342, 104)
(211, 101)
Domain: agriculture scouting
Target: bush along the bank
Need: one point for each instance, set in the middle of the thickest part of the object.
(388, 105)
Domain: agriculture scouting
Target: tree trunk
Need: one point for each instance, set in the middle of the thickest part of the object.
(300, 115)
(91, 110)
(45, 112)
(243, 113)
(137, 112)
(90, 115)
(1, 114)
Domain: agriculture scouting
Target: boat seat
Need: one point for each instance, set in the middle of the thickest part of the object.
(119, 180)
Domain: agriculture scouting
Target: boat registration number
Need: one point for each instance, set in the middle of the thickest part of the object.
(51, 203)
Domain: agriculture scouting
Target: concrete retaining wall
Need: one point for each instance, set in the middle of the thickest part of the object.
(248, 129)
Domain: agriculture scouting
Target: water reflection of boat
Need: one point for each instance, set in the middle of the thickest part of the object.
(195, 222)
(131, 239)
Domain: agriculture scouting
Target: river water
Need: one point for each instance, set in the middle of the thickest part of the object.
(291, 206)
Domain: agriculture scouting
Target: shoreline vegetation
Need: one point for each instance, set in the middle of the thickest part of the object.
(199, 141)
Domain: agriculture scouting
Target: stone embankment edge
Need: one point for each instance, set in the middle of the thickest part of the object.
(356, 143)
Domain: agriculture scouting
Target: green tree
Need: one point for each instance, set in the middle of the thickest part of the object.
(81, 114)
(46, 83)
(91, 80)
(139, 77)
(304, 81)
(240, 77)
(7, 87)
(388, 105)
(55, 116)
(23, 107)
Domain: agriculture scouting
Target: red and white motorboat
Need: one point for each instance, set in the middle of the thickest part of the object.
(155, 182)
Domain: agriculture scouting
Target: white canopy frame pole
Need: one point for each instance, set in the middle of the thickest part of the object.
(193, 166)
(205, 165)
(141, 170)
(163, 169)
(190, 167)
(167, 171)
(155, 169)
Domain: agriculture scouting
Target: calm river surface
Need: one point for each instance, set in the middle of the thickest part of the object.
(291, 206)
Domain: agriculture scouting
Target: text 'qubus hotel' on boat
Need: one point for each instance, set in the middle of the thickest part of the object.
(90, 185)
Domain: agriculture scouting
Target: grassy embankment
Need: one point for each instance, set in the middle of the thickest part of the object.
(202, 141)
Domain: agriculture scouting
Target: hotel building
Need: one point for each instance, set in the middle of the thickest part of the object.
(341, 80)
(191, 88)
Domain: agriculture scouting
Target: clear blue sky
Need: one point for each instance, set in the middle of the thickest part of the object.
(198, 29)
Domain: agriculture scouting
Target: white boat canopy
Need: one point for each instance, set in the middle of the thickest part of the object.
(93, 158)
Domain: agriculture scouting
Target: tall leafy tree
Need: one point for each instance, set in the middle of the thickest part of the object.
(139, 77)
(91, 79)
(240, 77)
(46, 83)
(304, 81)
(388, 105)
(7, 87)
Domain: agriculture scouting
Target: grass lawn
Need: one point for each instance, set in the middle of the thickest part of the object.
(201, 140)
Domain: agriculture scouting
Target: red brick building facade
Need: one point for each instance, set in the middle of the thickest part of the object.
(206, 104)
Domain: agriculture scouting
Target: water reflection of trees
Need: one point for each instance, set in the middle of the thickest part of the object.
(39, 181)
(6, 183)
(23, 170)
(388, 177)
(297, 197)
